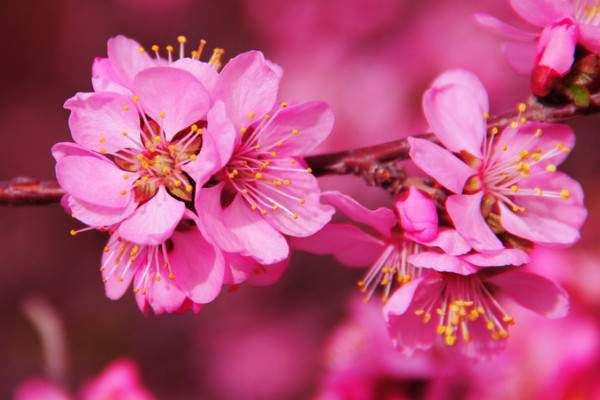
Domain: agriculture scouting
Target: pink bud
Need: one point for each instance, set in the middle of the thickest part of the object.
(543, 80)
(418, 214)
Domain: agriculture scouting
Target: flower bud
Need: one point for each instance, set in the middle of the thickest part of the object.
(543, 80)
(418, 214)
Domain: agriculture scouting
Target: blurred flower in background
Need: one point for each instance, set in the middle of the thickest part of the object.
(371, 61)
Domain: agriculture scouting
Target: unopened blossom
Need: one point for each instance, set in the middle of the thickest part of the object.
(119, 381)
(263, 189)
(503, 182)
(548, 54)
(394, 252)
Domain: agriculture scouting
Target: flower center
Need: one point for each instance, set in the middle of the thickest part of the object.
(462, 303)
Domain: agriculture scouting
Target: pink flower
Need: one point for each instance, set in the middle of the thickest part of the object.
(119, 381)
(176, 275)
(263, 188)
(397, 256)
(465, 311)
(551, 52)
(503, 182)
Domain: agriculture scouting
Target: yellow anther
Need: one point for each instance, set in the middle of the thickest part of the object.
(102, 139)
(141, 50)
(514, 124)
(295, 132)
(538, 191)
(273, 154)
(309, 170)
(263, 212)
(441, 329)
(284, 104)
(188, 188)
(123, 192)
(166, 170)
(171, 147)
(106, 249)
(504, 147)
(494, 130)
(536, 156)
(565, 194)
(125, 176)
(244, 191)
(193, 157)
(515, 208)
(243, 130)
(489, 325)
(538, 132)
(126, 107)
(426, 318)
(279, 143)
(450, 340)
(134, 250)
(419, 312)
(157, 278)
(523, 154)
(177, 183)
(521, 107)
(486, 115)
(162, 114)
(251, 114)
(508, 319)
(296, 216)
(551, 168)
(302, 201)
(156, 139)
(125, 133)
(267, 117)
(258, 175)
(523, 120)
(155, 48)
(514, 188)
(171, 276)
(73, 232)
(169, 48)
(181, 39)
(145, 178)
(286, 182)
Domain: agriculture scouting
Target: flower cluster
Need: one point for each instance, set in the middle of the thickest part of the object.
(196, 172)
(569, 32)
(444, 264)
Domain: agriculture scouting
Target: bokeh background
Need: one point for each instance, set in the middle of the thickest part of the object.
(371, 60)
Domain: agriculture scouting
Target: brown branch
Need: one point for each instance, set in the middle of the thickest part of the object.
(378, 164)
(24, 191)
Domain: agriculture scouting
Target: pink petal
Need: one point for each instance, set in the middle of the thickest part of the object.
(164, 295)
(40, 389)
(406, 329)
(298, 129)
(98, 216)
(589, 37)
(104, 78)
(268, 274)
(454, 106)
(198, 266)
(95, 181)
(305, 214)
(153, 222)
(557, 47)
(520, 56)
(440, 164)
(218, 142)
(533, 292)
(118, 272)
(381, 219)
(569, 211)
(246, 269)
(248, 86)
(502, 29)
(172, 97)
(465, 212)
(501, 258)
(350, 245)
(126, 59)
(212, 221)
(418, 214)
(98, 122)
(542, 227)
(442, 263)
(542, 12)
(119, 381)
(63, 149)
(239, 229)
(449, 240)
(202, 71)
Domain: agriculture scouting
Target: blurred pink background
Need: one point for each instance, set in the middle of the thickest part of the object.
(371, 60)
